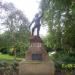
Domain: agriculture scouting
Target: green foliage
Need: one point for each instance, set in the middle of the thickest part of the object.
(62, 60)
(69, 35)
(3, 64)
(59, 17)
(17, 32)
(4, 51)
(8, 68)
(15, 65)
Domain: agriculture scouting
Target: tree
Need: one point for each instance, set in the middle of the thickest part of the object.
(17, 26)
(56, 14)
(5, 10)
(17, 32)
(59, 16)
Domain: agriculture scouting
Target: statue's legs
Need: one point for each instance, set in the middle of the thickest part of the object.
(38, 29)
(33, 30)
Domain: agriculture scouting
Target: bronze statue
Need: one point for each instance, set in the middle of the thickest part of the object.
(37, 24)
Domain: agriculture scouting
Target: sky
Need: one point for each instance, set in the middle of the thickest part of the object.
(29, 8)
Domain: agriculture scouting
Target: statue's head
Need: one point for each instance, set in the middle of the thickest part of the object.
(37, 15)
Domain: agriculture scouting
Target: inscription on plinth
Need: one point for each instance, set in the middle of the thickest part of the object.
(37, 57)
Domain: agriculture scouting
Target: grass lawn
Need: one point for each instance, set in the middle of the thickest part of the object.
(8, 57)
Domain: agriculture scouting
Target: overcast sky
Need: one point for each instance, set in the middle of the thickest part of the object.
(29, 8)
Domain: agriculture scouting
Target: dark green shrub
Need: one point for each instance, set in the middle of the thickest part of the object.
(14, 65)
(3, 63)
(4, 51)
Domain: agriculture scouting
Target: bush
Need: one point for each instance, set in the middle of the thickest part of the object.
(14, 65)
(48, 49)
(3, 63)
(7, 68)
(4, 51)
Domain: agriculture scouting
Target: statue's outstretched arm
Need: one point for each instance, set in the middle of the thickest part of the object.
(41, 16)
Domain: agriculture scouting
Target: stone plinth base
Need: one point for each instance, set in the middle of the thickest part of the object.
(37, 60)
(36, 68)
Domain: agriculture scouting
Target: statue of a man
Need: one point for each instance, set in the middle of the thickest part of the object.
(37, 24)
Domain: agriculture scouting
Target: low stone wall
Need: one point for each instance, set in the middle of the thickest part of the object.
(36, 68)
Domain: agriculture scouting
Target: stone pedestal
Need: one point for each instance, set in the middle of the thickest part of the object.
(36, 60)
